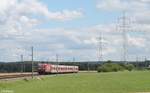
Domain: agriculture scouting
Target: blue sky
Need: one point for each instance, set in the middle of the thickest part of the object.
(70, 28)
(93, 15)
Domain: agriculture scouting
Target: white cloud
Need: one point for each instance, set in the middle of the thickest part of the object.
(36, 7)
(91, 41)
(138, 9)
(111, 4)
(19, 17)
(95, 41)
(136, 41)
(109, 50)
(122, 5)
(15, 9)
(70, 42)
(65, 15)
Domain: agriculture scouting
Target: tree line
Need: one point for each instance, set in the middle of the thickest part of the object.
(26, 66)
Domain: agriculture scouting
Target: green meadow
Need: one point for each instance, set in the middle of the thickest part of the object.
(113, 82)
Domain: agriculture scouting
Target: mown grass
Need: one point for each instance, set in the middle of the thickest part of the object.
(119, 82)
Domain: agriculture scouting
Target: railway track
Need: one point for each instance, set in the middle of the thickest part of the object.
(17, 75)
(10, 76)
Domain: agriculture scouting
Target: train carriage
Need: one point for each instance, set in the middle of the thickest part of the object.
(49, 68)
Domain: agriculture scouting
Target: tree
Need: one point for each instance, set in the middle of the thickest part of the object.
(130, 67)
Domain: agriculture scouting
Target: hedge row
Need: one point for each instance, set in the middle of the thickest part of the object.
(114, 67)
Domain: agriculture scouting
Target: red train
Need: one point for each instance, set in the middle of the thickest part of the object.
(49, 68)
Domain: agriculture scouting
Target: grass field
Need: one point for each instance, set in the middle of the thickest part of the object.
(120, 82)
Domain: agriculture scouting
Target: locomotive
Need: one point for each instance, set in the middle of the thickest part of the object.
(54, 69)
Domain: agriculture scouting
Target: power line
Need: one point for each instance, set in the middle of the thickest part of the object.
(137, 58)
(22, 67)
(32, 61)
(57, 61)
(88, 68)
(124, 22)
(100, 48)
(73, 59)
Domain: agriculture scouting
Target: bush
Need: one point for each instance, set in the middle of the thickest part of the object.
(114, 67)
(129, 67)
(110, 67)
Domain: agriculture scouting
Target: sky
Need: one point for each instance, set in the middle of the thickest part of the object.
(71, 29)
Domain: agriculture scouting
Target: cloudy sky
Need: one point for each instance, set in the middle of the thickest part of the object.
(70, 28)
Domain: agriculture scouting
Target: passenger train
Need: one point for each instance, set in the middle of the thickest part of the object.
(54, 69)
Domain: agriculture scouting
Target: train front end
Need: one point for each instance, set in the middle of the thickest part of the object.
(42, 68)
